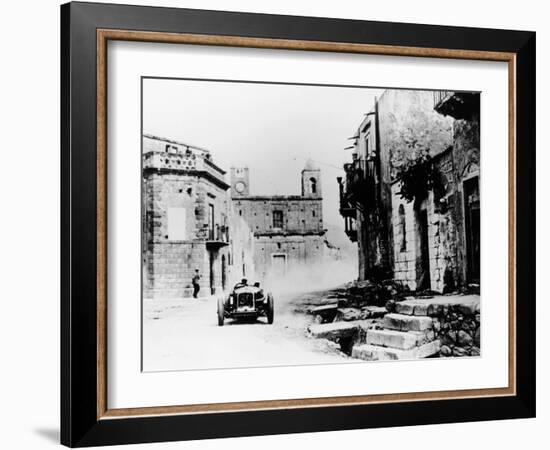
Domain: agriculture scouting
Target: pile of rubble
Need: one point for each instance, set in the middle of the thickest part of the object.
(405, 328)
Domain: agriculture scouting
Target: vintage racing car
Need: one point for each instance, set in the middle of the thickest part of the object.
(245, 301)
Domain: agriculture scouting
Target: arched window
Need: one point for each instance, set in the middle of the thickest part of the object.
(402, 228)
(313, 185)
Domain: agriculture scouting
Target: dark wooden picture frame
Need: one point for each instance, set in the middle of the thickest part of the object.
(85, 30)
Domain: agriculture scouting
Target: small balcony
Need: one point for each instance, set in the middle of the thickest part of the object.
(217, 236)
(358, 189)
(346, 208)
(459, 105)
(350, 228)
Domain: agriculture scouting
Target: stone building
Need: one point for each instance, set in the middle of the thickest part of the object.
(288, 229)
(459, 202)
(364, 201)
(423, 229)
(188, 222)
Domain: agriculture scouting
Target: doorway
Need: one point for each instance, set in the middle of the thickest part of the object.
(211, 222)
(278, 264)
(472, 229)
(423, 263)
(211, 265)
(224, 274)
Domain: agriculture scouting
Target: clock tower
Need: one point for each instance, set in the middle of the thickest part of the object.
(240, 186)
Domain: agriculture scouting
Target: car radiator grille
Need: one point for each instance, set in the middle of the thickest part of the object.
(245, 300)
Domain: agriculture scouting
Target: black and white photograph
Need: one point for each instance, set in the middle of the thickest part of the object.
(276, 224)
(296, 224)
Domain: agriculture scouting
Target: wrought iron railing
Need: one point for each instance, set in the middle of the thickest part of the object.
(441, 96)
(219, 233)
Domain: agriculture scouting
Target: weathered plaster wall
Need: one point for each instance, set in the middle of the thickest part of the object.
(241, 249)
(404, 239)
(466, 156)
(178, 190)
(407, 117)
(408, 124)
(300, 214)
(300, 238)
(373, 237)
(405, 122)
(300, 251)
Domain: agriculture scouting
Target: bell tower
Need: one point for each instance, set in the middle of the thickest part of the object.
(311, 180)
(240, 185)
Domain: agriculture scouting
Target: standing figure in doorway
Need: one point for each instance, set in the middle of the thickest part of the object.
(196, 285)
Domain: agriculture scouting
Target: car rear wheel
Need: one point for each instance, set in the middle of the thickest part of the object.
(270, 308)
(221, 311)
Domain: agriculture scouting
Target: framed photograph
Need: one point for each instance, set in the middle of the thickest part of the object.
(277, 224)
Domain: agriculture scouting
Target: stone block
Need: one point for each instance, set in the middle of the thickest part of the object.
(428, 349)
(421, 309)
(401, 322)
(449, 338)
(398, 339)
(391, 338)
(464, 339)
(376, 311)
(348, 314)
(404, 307)
(327, 312)
(460, 351)
(370, 352)
(336, 330)
(468, 308)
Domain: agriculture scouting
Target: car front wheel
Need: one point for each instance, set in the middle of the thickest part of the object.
(221, 311)
(270, 309)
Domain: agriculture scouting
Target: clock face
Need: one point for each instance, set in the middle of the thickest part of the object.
(239, 187)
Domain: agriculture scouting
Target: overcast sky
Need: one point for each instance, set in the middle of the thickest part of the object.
(270, 128)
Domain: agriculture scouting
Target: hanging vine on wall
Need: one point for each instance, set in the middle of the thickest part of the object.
(417, 177)
(414, 168)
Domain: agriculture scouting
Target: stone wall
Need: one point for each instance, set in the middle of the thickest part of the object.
(466, 156)
(373, 239)
(180, 237)
(454, 147)
(298, 241)
(174, 250)
(170, 268)
(241, 249)
(405, 238)
(458, 328)
(299, 251)
(300, 214)
(442, 244)
(405, 114)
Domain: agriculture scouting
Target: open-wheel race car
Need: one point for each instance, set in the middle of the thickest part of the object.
(245, 301)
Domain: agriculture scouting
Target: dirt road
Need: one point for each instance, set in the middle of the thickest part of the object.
(183, 334)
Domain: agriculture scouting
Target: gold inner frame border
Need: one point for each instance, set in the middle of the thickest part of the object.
(105, 35)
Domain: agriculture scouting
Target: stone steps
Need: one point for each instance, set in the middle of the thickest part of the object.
(409, 331)
(370, 352)
(403, 340)
(403, 336)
